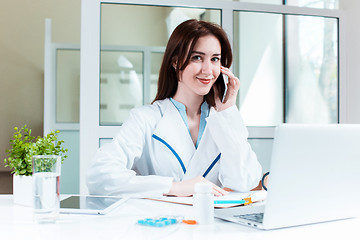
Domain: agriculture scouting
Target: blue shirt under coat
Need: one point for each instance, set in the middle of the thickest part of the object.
(204, 114)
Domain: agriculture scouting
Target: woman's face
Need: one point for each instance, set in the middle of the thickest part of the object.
(203, 68)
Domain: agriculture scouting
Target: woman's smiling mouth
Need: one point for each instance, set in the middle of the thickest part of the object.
(204, 80)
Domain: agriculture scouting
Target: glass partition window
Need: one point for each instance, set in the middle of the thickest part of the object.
(103, 141)
(121, 85)
(67, 85)
(258, 52)
(312, 69)
(132, 48)
(288, 68)
(156, 59)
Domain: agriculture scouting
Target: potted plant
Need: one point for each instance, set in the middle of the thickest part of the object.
(19, 159)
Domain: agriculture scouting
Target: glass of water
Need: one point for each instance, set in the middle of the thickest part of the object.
(46, 174)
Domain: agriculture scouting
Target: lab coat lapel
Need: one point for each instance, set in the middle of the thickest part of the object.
(172, 131)
(204, 159)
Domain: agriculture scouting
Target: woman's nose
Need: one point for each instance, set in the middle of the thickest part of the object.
(206, 67)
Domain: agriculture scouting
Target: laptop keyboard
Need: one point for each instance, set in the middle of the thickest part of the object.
(256, 217)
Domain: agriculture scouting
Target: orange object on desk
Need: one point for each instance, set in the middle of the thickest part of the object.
(189, 222)
(248, 201)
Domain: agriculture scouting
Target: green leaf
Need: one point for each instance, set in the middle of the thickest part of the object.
(24, 146)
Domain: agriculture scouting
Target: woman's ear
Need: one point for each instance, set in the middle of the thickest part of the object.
(174, 62)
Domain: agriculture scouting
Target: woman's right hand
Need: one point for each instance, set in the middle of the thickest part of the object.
(187, 188)
(233, 87)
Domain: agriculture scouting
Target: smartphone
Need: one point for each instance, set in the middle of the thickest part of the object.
(221, 85)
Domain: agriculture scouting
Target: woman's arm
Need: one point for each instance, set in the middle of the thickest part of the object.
(187, 187)
(239, 167)
(110, 172)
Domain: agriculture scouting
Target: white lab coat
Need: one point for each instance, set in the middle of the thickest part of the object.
(154, 148)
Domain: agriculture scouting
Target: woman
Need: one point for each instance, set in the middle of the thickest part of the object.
(190, 133)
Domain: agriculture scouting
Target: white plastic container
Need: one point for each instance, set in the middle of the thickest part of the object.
(23, 190)
(204, 203)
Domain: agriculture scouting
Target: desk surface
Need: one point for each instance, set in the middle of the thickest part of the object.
(16, 223)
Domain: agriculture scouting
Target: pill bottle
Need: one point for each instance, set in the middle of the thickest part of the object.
(203, 203)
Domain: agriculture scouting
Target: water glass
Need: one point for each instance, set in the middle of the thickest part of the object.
(46, 174)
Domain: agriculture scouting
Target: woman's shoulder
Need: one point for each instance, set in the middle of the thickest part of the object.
(152, 111)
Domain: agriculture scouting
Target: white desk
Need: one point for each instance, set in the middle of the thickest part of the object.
(16, 223)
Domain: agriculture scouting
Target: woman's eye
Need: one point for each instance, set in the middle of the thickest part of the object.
(215, 59)
(196, 58)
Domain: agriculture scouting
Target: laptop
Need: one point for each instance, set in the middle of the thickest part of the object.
(314, 177)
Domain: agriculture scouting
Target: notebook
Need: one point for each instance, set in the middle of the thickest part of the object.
(314, 177)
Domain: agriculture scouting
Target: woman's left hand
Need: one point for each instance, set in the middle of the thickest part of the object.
(231, 93)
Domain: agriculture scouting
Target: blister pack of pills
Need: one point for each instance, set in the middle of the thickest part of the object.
(160, 221)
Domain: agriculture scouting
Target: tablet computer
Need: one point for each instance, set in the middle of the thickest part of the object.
(90, 204)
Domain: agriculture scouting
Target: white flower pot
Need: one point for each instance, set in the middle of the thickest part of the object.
(23, 190)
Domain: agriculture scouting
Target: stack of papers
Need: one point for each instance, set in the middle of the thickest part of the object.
(233, 199)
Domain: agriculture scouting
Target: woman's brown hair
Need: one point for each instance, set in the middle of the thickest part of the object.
(178, 52)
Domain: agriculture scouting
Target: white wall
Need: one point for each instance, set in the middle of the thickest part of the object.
(352, 9)
(22, 60)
